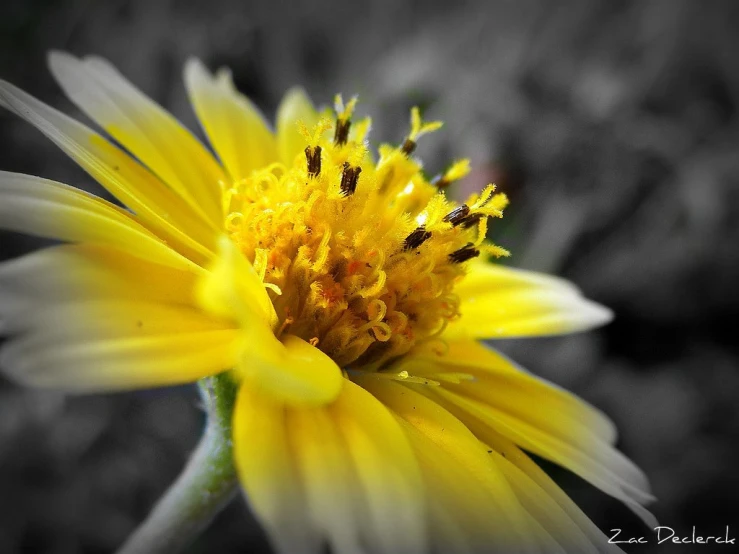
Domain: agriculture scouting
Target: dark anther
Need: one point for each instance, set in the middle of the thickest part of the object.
(408, 147)
(313, 156)
(416, 238)
(471, 220)
(440, 182)
(465, 253)
(349, 179)
(457, 215)
(341, 134)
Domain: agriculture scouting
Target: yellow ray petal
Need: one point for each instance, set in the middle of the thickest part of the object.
(502, 302)
(599, 464)
(388, 474)
(295, 106)
(541, 419)
(144, 128)
(69, 273)
(268, 473)
(85, 271)
(458, 465)
(352, 480)
(291, 370)
(133, 345)
(233, 289)
(45, 208)
(234, 125)
(537, 490)
(158, 208)
(114, 318)
(335, 503)
(506, 385)
(562, 534)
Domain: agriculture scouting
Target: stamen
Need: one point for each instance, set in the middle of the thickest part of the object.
(364, 278)
(467, 252)
(416, 238)
(349, 178)
(457, 215)
(313, 157)
(408, 147)
(441, 182)
(457, 171)
(341, 134)
(471, 220)
(343, 119)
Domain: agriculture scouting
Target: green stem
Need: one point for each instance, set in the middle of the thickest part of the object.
(204, 487)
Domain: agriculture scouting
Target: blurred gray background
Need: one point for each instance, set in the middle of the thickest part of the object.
(612, 126)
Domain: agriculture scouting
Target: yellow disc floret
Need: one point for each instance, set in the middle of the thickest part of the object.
(359, 257)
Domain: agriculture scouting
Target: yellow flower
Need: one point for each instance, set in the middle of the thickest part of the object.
(343, 291)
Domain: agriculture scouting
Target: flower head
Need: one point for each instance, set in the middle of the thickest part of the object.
(341, 289)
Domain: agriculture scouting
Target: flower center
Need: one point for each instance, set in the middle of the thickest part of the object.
(359, 257)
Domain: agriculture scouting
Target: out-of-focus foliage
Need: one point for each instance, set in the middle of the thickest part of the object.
(613, 127)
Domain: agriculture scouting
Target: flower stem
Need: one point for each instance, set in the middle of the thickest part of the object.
(204, 487)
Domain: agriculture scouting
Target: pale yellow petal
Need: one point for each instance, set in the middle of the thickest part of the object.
(144, 128)
(291, 369)
(599, 464)
(538, 487)
(233, 289)
(458, 469)
(499, 302)
(561, 534)
(235, 127)
(48, 209)
(86, 271)
(388, 473)
(540, 418)
(295, 107)
(334, 500)
(267, 469)
(352, 480)
(506, 385)
(158, 208)
(99, 346)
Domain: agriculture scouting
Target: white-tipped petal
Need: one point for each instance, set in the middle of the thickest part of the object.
(501, 302)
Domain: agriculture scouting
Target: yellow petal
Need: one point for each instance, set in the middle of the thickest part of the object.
(501, 302)
(99, 346)
(87, 318)
(506, 385)
(342, 473)
(69, 273)
(464, 482)
(85, 271)
(559, 532)
(158, 208)
(295, 106)
(144, 128)
(388, 473)
(267, 469)
(537, 491)
(235, 127)
(232, 289)
(540, 418)
(291, 370)
(336, 506)
(45, 208)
